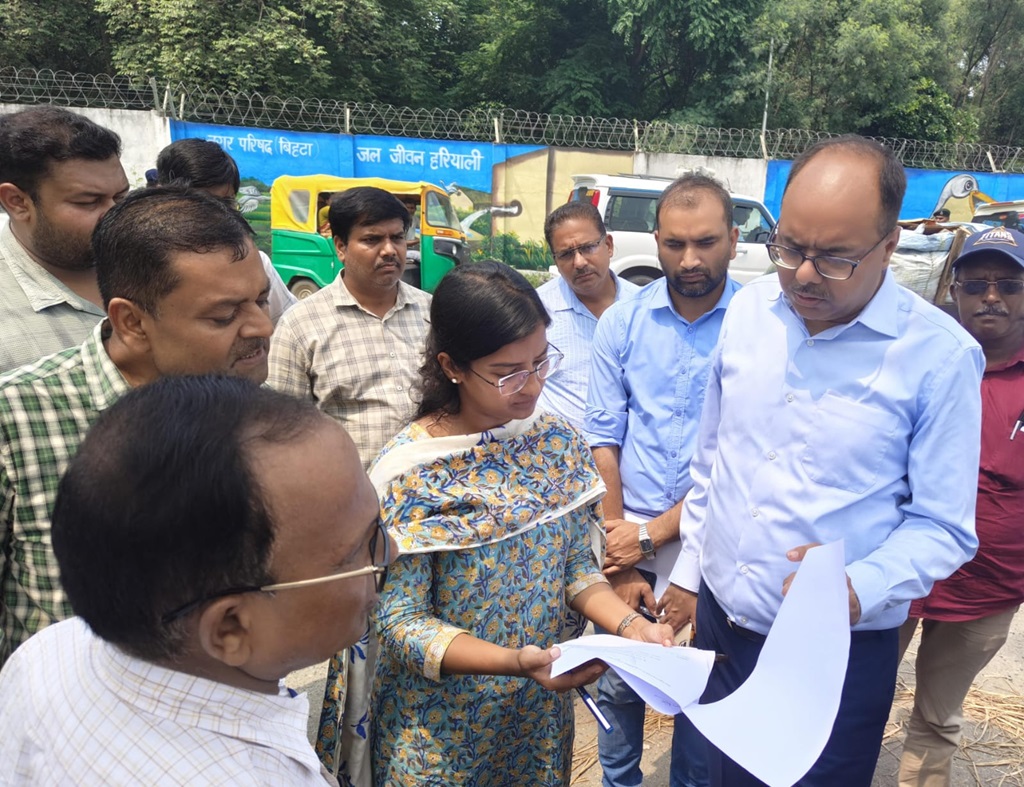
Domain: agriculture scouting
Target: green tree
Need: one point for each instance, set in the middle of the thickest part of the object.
(989, 82)
(63, 36)
(258, 45)
(842, 65)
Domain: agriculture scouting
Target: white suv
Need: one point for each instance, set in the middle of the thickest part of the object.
(627, 204)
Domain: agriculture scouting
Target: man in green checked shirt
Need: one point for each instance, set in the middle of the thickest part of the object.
(185, 293)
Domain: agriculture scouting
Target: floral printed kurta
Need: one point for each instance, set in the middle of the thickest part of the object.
(496, 540)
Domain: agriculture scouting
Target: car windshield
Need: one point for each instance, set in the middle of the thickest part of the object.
(440, 212)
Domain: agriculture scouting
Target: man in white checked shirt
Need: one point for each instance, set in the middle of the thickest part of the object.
(584, 289)
(353, 349)
(259, 551)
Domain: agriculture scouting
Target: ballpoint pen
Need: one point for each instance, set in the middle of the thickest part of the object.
(1017, 425)
(592, 707)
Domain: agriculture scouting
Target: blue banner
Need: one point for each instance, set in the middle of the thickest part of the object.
(264, 154)
(466, 164)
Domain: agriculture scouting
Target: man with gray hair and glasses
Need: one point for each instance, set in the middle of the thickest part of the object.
(839, 406)
(213, 536)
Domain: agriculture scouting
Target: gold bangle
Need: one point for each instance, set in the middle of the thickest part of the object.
(627, 622)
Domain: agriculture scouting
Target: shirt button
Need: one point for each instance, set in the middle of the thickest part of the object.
(744, 570)
(810, 342)
(690, 329)
(399, 387)
(391, 354)
(743, 619)
(790, 397)
(772, 455)
(678, 413)
(674, 454)
(755, 512)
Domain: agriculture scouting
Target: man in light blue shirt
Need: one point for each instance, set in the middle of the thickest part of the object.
(584, 289)
(650, 365)
(839, 405)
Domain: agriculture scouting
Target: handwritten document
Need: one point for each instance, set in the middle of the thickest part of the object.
(777, 723)
(669, 679)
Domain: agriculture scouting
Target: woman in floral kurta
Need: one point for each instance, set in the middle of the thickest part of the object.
(492, 507)
(511, 589)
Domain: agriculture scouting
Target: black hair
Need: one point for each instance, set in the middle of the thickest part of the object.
(134, 243)
(161, 505)
(892, 180)
(33, 138)
(362, 206)
(477, 309)
(575, 210)
(198, 163)
(688, 190)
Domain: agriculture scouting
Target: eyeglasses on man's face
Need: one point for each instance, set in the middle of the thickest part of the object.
(828, 266)
(380, 559)
(513, 383)
(586, 249)
(980, 286)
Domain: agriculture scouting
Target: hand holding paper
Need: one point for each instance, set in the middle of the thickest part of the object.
(772, 731)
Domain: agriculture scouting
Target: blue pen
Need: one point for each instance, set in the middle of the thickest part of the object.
(592, 707)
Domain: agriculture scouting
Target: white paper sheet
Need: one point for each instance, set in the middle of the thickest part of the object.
(669, 679)
(776, 724)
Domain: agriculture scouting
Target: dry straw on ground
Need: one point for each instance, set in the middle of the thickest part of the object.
(992, 746)
(993, 736)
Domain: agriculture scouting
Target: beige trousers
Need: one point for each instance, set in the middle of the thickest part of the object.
(948, 660)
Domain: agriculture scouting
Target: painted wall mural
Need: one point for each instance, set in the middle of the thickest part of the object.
(927, 190)
(502, 193)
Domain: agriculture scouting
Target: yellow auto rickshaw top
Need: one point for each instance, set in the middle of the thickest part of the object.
(293, 197)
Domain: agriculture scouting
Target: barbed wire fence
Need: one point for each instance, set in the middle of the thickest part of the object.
(206, 105)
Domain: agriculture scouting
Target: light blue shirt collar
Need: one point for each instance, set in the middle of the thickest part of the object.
(881, 314)
(661, 299)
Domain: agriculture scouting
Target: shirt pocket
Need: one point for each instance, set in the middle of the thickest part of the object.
(847, 442)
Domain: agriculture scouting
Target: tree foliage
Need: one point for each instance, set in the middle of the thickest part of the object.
(943, 70)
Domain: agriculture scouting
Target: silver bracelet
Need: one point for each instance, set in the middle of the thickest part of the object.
(626, 622)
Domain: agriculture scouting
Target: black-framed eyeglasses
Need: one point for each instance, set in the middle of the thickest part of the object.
(586, 249)
(513, 383)
(980, 286)
(828, 266)
(379, 570)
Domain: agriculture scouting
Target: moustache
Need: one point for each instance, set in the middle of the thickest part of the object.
(251, 346)
(810, 291)
(583, 272)
(990, 312)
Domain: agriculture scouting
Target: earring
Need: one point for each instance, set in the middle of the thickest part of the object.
(455, 381)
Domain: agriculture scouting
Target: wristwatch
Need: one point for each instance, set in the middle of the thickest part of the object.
(646, 545)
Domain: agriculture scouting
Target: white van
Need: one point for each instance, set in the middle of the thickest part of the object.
(627, 204)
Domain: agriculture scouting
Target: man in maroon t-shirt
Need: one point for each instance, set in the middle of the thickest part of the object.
(966, 617)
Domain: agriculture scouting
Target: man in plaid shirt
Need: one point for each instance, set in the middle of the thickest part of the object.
(354, 347)
(185, 293)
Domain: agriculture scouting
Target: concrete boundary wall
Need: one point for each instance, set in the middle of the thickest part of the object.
(740, 175)
(143, 135)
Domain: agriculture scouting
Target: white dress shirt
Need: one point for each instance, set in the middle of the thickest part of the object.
(868, 431)
(76, 710)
